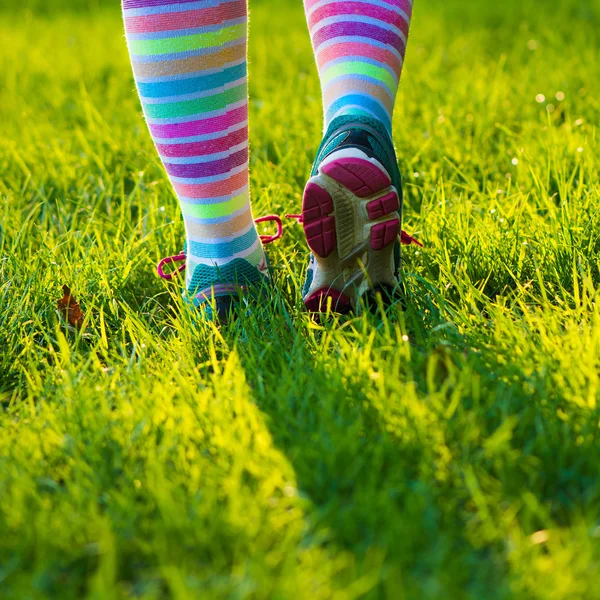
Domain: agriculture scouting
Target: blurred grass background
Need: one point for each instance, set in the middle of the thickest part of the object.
(448, 451)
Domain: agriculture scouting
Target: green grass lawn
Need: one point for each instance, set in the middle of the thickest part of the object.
(449, 451)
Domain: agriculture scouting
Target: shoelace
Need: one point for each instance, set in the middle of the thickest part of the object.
(404, 238)
(265, 239)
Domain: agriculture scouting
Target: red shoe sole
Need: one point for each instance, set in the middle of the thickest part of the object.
(361, 179)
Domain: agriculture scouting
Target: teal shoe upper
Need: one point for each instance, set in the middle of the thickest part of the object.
(367, 134)
(217, 289)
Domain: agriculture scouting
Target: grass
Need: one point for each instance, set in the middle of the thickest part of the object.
(448, 451)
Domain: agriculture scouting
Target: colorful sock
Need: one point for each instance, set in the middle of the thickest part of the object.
(189, 64)
(359, 46)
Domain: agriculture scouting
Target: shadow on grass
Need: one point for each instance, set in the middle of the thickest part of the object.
(371, 474)
(419, 467)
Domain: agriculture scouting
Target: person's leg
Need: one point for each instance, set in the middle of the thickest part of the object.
(189, 64)
(352, 204)
(359, 47)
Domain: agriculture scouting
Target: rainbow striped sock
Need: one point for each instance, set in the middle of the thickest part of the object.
(359, 46)
(189, 63)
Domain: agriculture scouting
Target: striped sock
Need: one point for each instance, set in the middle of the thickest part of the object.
(189, 63)
(359, 46)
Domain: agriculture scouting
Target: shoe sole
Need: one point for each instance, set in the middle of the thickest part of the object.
(351, 222)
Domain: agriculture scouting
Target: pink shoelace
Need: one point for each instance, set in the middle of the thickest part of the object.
(405, 239)
(265, 239)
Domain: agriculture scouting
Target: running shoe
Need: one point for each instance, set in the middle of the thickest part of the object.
(218, 290)
(351, 214)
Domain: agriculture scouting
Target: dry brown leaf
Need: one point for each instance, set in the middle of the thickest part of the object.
(69, 308)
